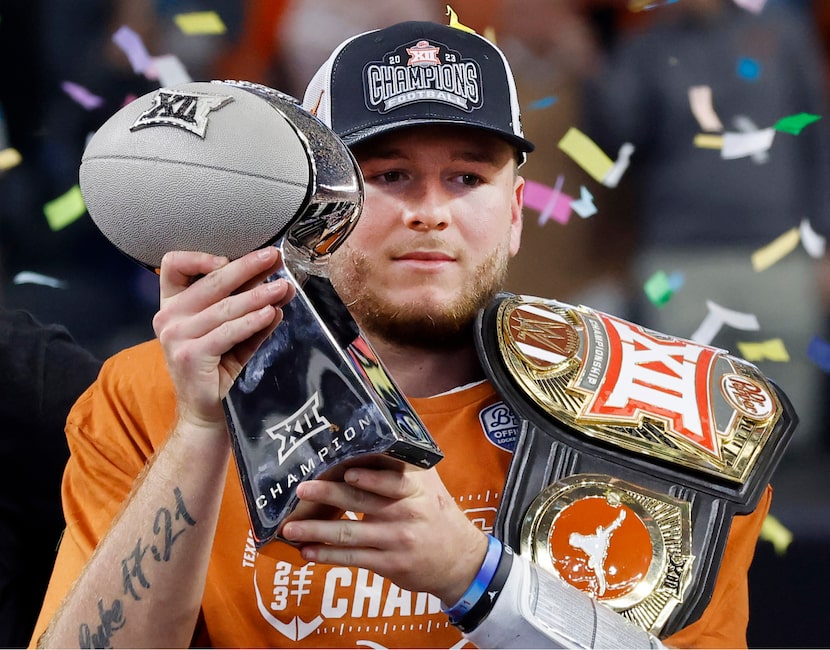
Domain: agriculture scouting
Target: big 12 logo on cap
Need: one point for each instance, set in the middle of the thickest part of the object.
(422, 71)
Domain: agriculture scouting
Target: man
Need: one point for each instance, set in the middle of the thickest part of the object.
(442, 217)
(43, 370)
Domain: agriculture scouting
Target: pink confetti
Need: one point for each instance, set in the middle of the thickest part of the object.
(132, 45)
(81, 95)
(550, 202)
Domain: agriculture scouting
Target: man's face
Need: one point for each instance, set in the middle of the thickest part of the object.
(441, 219)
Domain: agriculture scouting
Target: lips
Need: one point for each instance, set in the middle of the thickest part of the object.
(424, 256)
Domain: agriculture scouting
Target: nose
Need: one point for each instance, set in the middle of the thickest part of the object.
(428, 208)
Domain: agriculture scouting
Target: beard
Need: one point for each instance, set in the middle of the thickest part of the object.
(448, 325)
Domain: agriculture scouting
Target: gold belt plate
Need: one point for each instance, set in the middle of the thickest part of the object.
(627, 547)
(653, 394)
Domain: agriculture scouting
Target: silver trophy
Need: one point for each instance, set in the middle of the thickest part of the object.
(198, 166)
(315, 398)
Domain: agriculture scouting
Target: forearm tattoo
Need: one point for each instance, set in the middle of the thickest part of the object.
(168, 525)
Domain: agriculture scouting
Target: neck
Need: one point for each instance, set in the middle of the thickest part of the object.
(422, 373)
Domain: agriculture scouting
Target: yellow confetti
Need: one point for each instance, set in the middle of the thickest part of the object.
(454, 22)
(775, 251)
(490, 34)
(772, 350)
(200, 22)
(586, 153)
(9, 158)
(709, 141)
(777, 534)
(65, 209)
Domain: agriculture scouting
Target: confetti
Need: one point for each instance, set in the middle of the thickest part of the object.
(586, 153)
(585, 206)
(719, 316)
(777, 534)
(65, 209)
(749, 69)
(558, 205)
(132, 45)
(169, 70)
(700, 100)
(30, 277)
(9, 157)
(812, 242)
(795, 123)
(612, 178)
(755, 6)
(742, 145)
(818, 350)
(544, 102)
(454, 22)
(200, 22)
(707, 141)
(772, 350)
(658, 289)
(81, 95)
(647, 5)
(775, 251)
(538, 196)
(745, 125)
(676, 281)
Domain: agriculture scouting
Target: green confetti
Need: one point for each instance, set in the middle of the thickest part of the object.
(65, 209)
(774, 532)
(795, 123)
(658, 288)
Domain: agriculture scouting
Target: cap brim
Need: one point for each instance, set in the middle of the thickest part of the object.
(356, 137)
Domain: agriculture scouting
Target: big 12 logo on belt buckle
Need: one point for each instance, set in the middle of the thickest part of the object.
(636, 450)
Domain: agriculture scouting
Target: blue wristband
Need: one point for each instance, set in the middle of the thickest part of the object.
(479, 585)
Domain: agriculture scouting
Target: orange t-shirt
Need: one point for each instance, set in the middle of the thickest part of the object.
(279, 600)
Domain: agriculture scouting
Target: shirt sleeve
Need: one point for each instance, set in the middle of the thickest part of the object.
(112, 431)
(724, 621)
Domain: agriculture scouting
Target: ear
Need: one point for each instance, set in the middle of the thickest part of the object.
(516, 202)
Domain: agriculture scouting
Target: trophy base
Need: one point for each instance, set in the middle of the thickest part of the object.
(312, 401)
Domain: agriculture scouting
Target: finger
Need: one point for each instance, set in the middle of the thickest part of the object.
(181, 317)
(396, 483)
(222, 281)
(341, 495)
(179, 269)
(340, 532)
(234, 308)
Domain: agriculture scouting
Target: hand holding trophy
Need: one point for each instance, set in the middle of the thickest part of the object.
(226, 168)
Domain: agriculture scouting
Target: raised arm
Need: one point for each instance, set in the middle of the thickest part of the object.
(143, 585)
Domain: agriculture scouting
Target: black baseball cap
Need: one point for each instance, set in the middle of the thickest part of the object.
(416, 73)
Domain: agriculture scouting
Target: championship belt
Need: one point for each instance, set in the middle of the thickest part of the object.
(635, 451)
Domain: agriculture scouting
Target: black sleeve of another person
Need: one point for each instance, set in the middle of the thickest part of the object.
(42, 372)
